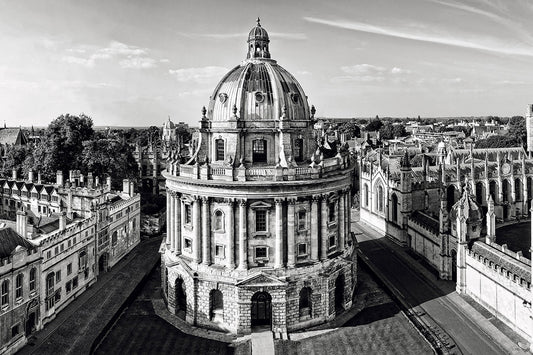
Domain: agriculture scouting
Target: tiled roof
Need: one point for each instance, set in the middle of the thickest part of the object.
(10, 240)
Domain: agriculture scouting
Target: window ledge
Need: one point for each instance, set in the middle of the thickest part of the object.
(261, 234)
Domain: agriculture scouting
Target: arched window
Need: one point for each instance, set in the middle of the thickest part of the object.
(331, 212)
(505, 190)
(493, 190)
(379, 202)
(366, 195)
(50, 279)
(305, 302)
(114, 239)
(216, 302)
(219, 149)
(219, 220)
(18, 285)
(298, 149)
(394, 208)
(259, 151)
(518, 190)
(5, 292)
(33, 273)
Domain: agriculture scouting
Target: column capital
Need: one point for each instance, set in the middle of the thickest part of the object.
(243, 202)
(279, 200)
(316, 198)
(204, 199)
(292, 200)
(229, 200)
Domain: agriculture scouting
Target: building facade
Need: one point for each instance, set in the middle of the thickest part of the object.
(258, 216)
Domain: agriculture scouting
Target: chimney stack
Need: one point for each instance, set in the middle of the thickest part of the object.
(108, 183)
(22, 220)
(39, 179)
(90, 180)
(30, 175)
(14, 174)
(62, 220)
(59, 178)
(97, 181)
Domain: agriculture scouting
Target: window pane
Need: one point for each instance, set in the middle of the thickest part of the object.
(260, 221)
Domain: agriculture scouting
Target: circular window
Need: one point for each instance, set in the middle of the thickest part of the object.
(295, 98)
(259, 97)
(223, 97)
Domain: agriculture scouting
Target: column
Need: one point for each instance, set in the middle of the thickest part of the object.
(177, 225)
(278, 259)
(206, 232)
(291, 257)
(243, 242)
(196, 242)
(348, 208)
(231, 236)
(324, 234)
(169, 213)
(314, 228)
(341, 220)
(172, 227)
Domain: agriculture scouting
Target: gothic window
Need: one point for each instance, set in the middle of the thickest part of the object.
(18, 285)
(259, 151)
(219, 149)
(50, 279)
(380, 196)
(366, 195)
(219, 220)
(298, 149)
(33, 273)
(302, 220)
(261, 221)
(394, 203)
(5, 293)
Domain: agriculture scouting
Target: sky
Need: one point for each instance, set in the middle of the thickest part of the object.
(135, 63)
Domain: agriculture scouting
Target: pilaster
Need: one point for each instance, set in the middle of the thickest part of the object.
(291, 257)
(314, 227)
(243, 245)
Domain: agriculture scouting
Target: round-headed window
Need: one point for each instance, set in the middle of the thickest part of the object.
(295, 98)
(222, 97)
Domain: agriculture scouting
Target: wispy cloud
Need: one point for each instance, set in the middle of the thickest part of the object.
(199, 92)
(478, 43)
(368, 73)
(199, 75)
(131, 57)
(243, 35)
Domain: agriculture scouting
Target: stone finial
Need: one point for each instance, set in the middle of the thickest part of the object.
(234, 110)
(204, 112)
(258, 21)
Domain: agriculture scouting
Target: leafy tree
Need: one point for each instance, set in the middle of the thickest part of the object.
(399, 130)
(386, 131)
(498, 141)
(374, 125)
(110, 156)
(351, 129)
(517, 129)
(152, 133)
(15, 157)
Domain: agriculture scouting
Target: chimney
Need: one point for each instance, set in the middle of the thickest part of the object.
(97, 181)
(108, 183)
(39, 179)
(14, 174)
(22, 220)
(30, 175)
(126, 186)
(62, 220)
(59, 178)
(90, 180)
(82, 180)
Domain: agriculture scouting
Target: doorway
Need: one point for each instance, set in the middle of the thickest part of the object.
(261, 309)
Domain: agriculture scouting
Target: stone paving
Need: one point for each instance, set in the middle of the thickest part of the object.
(77, 326)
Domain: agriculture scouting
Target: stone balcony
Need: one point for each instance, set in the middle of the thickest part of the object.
(247, 172)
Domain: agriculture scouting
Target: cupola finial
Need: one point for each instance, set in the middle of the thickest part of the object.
(258, 21)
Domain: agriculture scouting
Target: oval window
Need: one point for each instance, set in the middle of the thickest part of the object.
(259, 97)
(294, 98)
(223, 97)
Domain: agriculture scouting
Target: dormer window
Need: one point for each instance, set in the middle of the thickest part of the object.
(219, 149)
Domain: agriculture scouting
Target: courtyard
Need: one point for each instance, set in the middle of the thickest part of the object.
(516, 236)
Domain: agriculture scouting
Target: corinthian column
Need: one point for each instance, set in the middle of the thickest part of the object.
(314, 227)
(243, 245)
(196, 242)
(171, 231)
(176, 227)
(278, 261)
(324, 234)
(206, 232)
(169, 214)
(341, 220)
(231, 236)
(291, 257)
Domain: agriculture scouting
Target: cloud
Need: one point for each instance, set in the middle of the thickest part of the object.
(303, 72)
(199, 75)
(199, 92)
(129, 57)
(368, 73)
(478, 44)
(276, 35)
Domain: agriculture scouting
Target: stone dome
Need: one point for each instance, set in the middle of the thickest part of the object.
(258, 89)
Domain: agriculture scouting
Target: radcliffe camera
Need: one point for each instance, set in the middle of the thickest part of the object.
(266, 178)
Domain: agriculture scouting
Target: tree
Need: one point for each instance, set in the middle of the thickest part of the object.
(15, 157)
(386, 131)
(374, 125)
(498, 141)
(399, 130)
(517, 129)
(113, 157)
(351, 129)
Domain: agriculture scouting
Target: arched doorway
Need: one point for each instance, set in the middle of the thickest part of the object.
(339, 293)
(103, 262)
(216, 306)
(261, 309)
(30, 323)
(181, 298)
(454, 265)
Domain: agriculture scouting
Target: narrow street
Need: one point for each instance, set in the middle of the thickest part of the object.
(424, 296)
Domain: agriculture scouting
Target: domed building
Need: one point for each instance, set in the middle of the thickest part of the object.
(259, 214)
